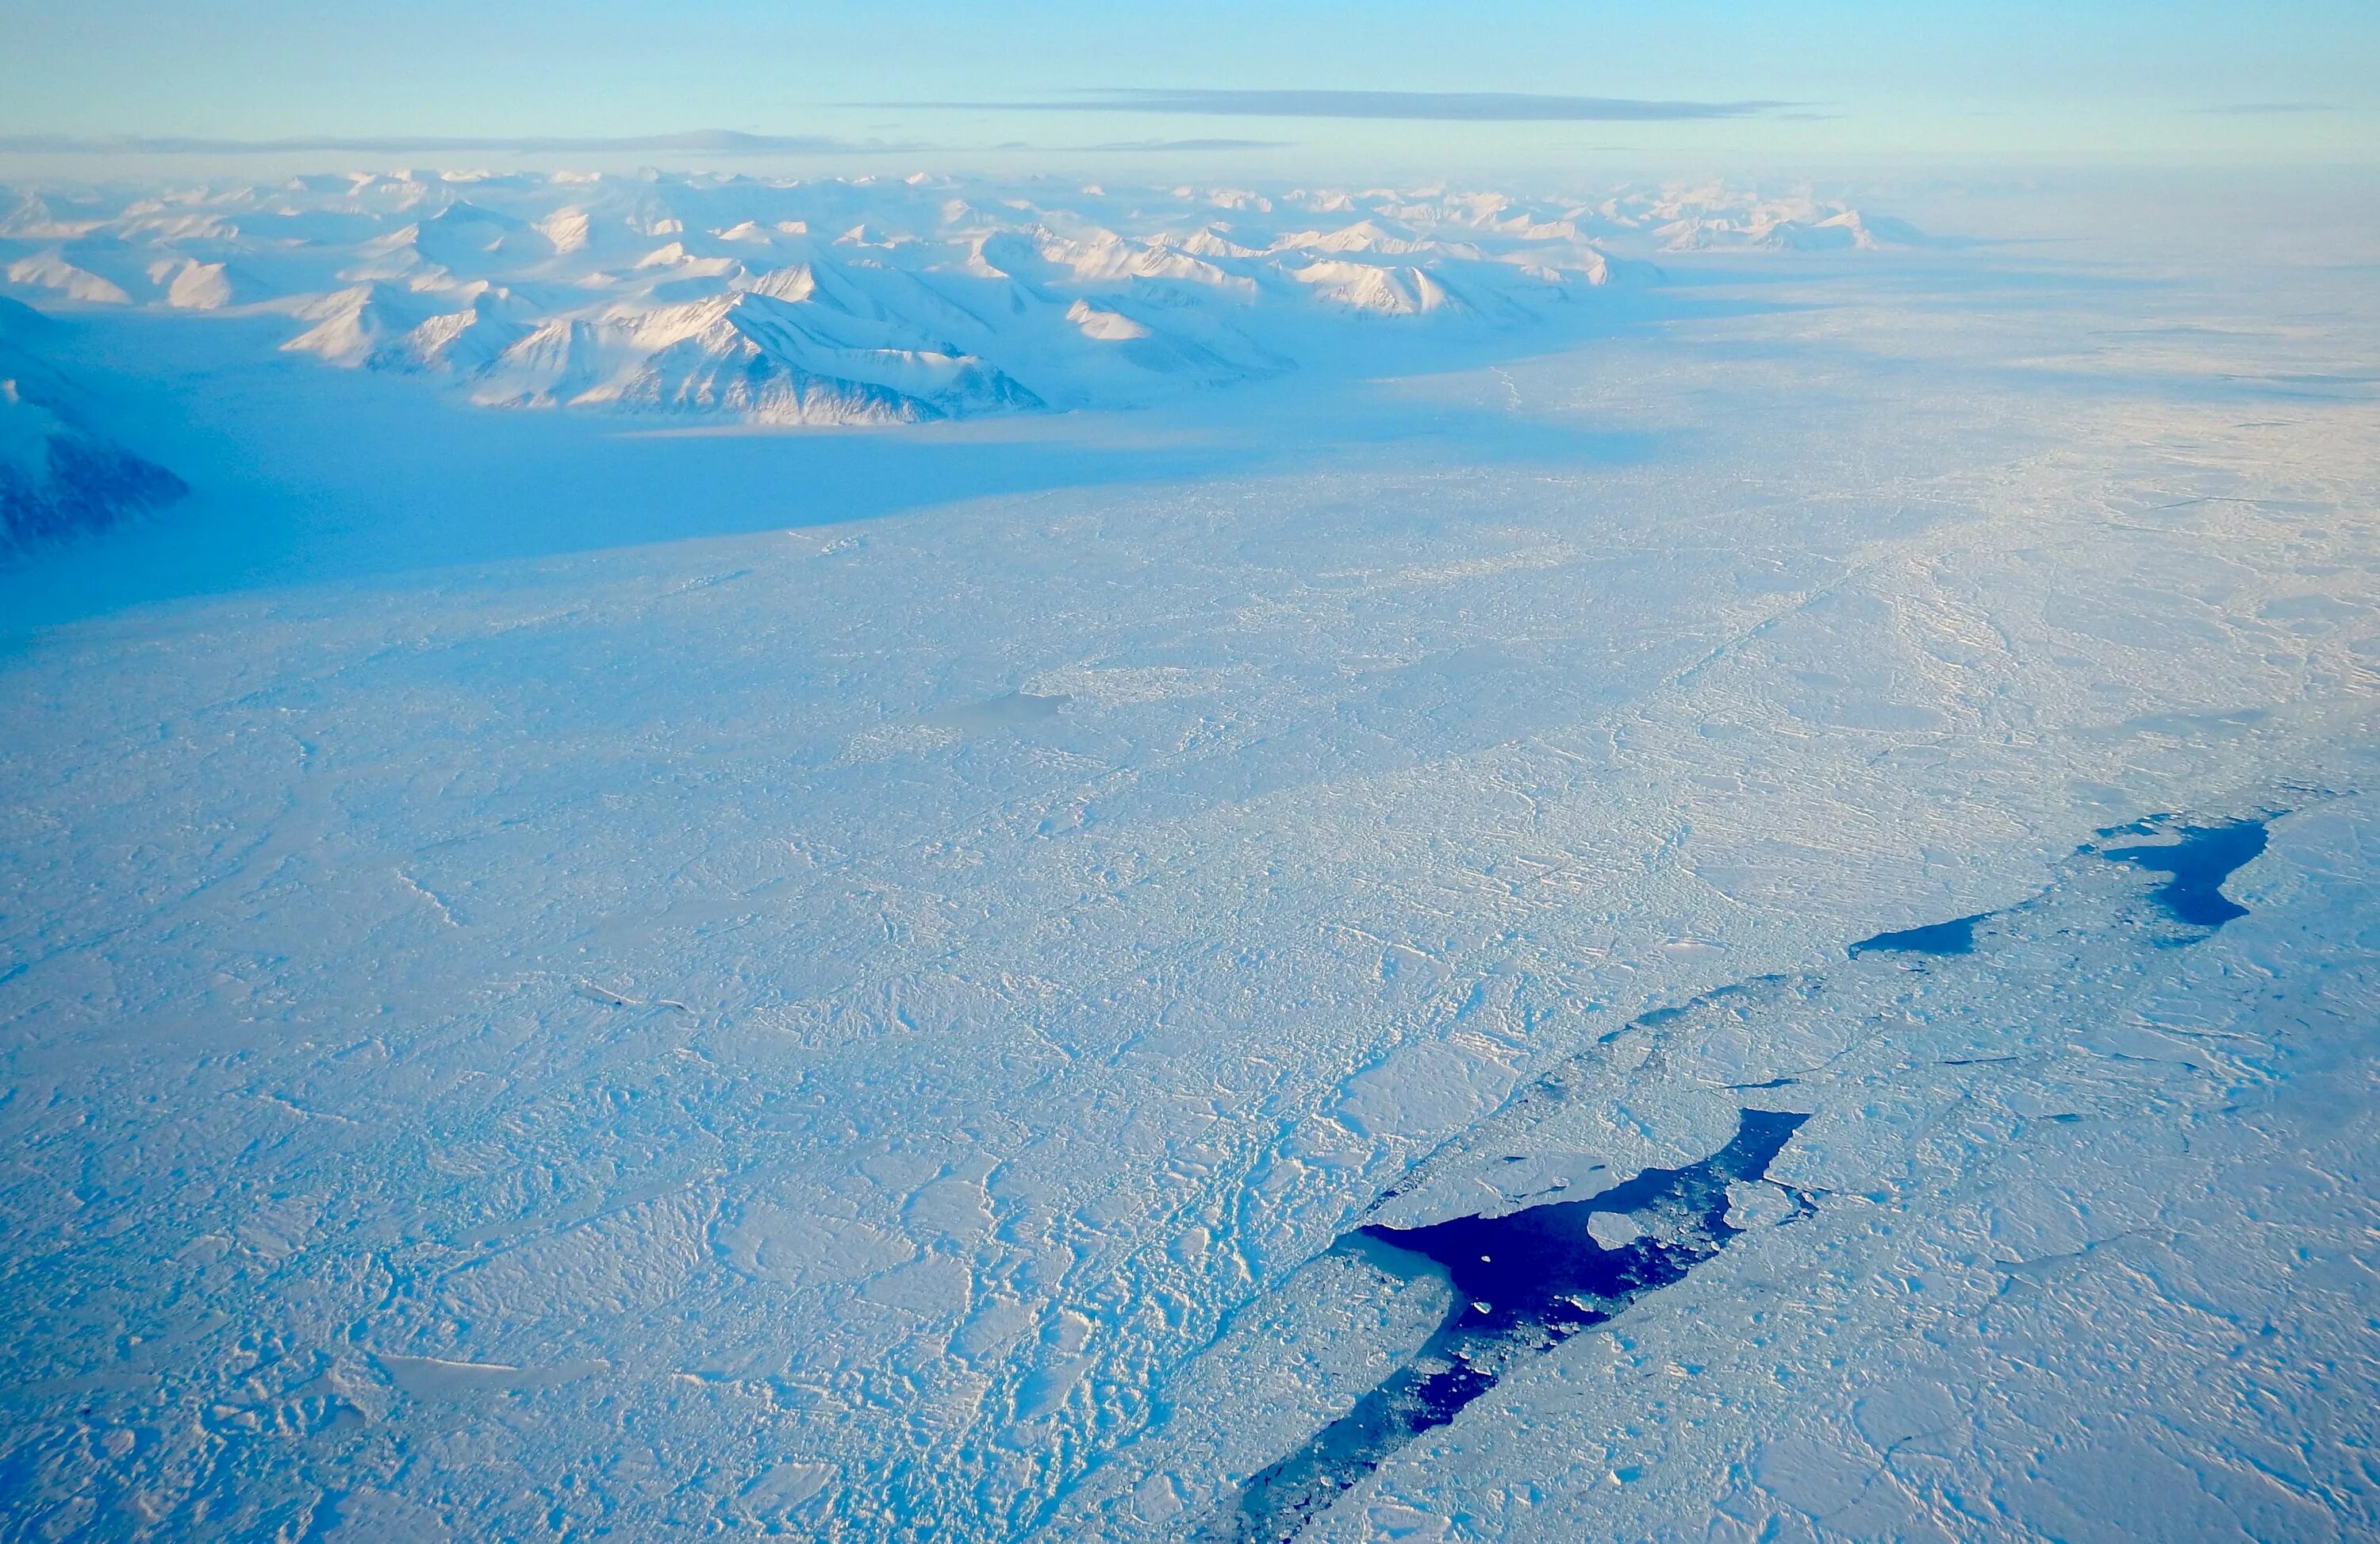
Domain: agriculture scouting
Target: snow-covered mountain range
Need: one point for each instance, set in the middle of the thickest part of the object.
(861, 302)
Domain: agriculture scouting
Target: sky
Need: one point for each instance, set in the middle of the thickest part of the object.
(1385, 81)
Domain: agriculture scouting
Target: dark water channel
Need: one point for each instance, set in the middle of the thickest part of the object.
(1954, 937)
(2196, 859)
(1528, 1280)
(1524, 1283)
(2197, 866)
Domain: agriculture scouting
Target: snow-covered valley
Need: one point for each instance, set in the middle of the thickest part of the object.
(873, 960)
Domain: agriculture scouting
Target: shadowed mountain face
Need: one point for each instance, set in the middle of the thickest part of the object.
(59, 478)
(79, 485)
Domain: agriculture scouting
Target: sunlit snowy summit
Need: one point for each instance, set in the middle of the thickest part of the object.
(854, 302)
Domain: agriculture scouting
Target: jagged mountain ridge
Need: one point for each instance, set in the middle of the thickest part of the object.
(854, 301)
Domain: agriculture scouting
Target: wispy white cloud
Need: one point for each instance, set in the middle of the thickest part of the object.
(718, 140)
(1191, 144)
(1439, 106)
(2262, 109)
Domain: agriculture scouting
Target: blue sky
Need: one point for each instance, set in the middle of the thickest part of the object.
(2116, 81)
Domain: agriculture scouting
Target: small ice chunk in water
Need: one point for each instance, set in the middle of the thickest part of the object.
(1613, 1230)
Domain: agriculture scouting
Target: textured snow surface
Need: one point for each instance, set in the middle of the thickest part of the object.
(560, 980)
(836, 303)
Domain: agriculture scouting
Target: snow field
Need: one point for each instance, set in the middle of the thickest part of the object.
(876, 1029)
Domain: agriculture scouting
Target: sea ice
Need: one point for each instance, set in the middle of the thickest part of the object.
(563, 972)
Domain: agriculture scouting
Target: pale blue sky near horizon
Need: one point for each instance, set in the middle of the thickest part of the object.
(2119, 81)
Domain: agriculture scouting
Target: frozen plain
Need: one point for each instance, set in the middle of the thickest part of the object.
(851, 984)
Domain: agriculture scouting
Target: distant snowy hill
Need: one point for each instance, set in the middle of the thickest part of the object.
(58, 476)
(843, 302)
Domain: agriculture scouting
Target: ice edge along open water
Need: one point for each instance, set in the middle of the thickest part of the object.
(1526, 1281)
(801, 1084)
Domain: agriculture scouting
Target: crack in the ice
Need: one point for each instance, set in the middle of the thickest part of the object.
(1527, 1280)
(1524, 1283)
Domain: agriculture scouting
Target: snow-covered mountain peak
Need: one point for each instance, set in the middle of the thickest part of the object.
(922, 296)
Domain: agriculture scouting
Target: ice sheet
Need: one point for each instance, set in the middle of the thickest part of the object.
(531, 1005)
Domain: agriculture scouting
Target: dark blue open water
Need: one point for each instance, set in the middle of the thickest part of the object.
(2198, 865)
(2196, 862)
(1524, 1283)
(1527, 1280)
(1954, 937)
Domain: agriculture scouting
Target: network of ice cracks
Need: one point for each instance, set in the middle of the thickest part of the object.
(897, 1030)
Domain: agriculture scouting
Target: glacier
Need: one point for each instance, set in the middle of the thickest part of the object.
(913, 876)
